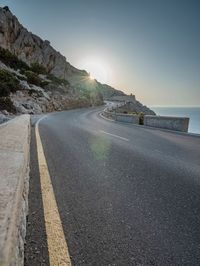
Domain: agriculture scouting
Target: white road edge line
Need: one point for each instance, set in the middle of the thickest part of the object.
(113, 135)
(108, 119)
(40, 119)
(57, 245)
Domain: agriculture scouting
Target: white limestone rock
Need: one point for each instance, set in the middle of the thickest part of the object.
(3, 118)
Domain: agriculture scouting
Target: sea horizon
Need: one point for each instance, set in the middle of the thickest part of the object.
(175, 106)
(193, 112)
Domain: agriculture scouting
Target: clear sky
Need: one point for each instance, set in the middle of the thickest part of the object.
(150, 48)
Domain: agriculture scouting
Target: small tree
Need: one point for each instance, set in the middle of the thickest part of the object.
(8, 83)
(141, 119)
(11, 60)
(33, 78)
(38, 68)
(7, 104)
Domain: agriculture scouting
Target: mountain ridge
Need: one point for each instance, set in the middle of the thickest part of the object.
(47, 81)
(30, 48)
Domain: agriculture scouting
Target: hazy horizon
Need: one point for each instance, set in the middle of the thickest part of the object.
(148, 48)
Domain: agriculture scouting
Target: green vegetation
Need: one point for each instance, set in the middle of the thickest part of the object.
(38, 68)
(31, 72)
(35, 93)
(20, 77)
(57, 81)
(141, 119)
(44, 83)
(31, 92)
(8, 83)
(33, 78)
(11, 60)
(7, 104)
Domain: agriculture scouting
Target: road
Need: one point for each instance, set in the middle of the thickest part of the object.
(126, 195)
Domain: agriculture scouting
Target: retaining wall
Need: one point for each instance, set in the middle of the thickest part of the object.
(14, 180)
(167, 122)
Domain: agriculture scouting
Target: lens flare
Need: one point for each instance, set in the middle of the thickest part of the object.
(97, 68)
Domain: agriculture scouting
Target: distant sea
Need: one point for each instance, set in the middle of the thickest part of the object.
(192, 112)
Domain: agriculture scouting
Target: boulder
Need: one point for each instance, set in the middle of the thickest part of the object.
(3, 118)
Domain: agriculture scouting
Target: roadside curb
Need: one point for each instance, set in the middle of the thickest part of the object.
(14, 185)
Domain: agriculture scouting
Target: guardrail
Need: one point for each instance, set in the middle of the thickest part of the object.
(14, 182)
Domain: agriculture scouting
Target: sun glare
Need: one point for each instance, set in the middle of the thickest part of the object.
(97, 69)
(91, 77)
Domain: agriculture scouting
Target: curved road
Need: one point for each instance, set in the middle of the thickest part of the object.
(127, 195)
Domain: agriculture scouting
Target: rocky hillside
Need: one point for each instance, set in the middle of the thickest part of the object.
(35, 78)
(32, 49)
(129, 105)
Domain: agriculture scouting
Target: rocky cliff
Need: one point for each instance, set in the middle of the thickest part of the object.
(46, 81)
(32, 49)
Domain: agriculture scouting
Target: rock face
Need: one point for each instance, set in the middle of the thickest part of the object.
(129, 104)
(29, 47)
(135, 107)
(32, 49)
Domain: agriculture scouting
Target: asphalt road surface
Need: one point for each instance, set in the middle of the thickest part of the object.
(127, 195)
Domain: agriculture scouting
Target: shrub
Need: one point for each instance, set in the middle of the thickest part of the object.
(11, 60)
(58, 81)
(7, 104)
(33, 78)
(20, 77)
(35, 93)
(44, 83)
(8, 83)
(31, 92)
(141, 119)
(38, 68)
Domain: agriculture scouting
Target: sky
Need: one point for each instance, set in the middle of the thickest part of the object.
(150, 48)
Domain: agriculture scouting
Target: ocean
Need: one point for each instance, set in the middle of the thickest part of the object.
(192, 112)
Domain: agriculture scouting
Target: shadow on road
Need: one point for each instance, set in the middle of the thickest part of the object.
(36, 249)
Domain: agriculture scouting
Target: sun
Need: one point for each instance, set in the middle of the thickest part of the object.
(91, 77)
(97, 69)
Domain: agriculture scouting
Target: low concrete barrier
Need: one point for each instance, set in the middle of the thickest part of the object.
(134, 119)
(110, 115)
(14, 180)
(167, 122)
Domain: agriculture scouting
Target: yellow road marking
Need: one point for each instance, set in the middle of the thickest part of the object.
(57, 246)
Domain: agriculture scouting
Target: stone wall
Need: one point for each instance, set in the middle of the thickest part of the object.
(167, 122)
(134, 119)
